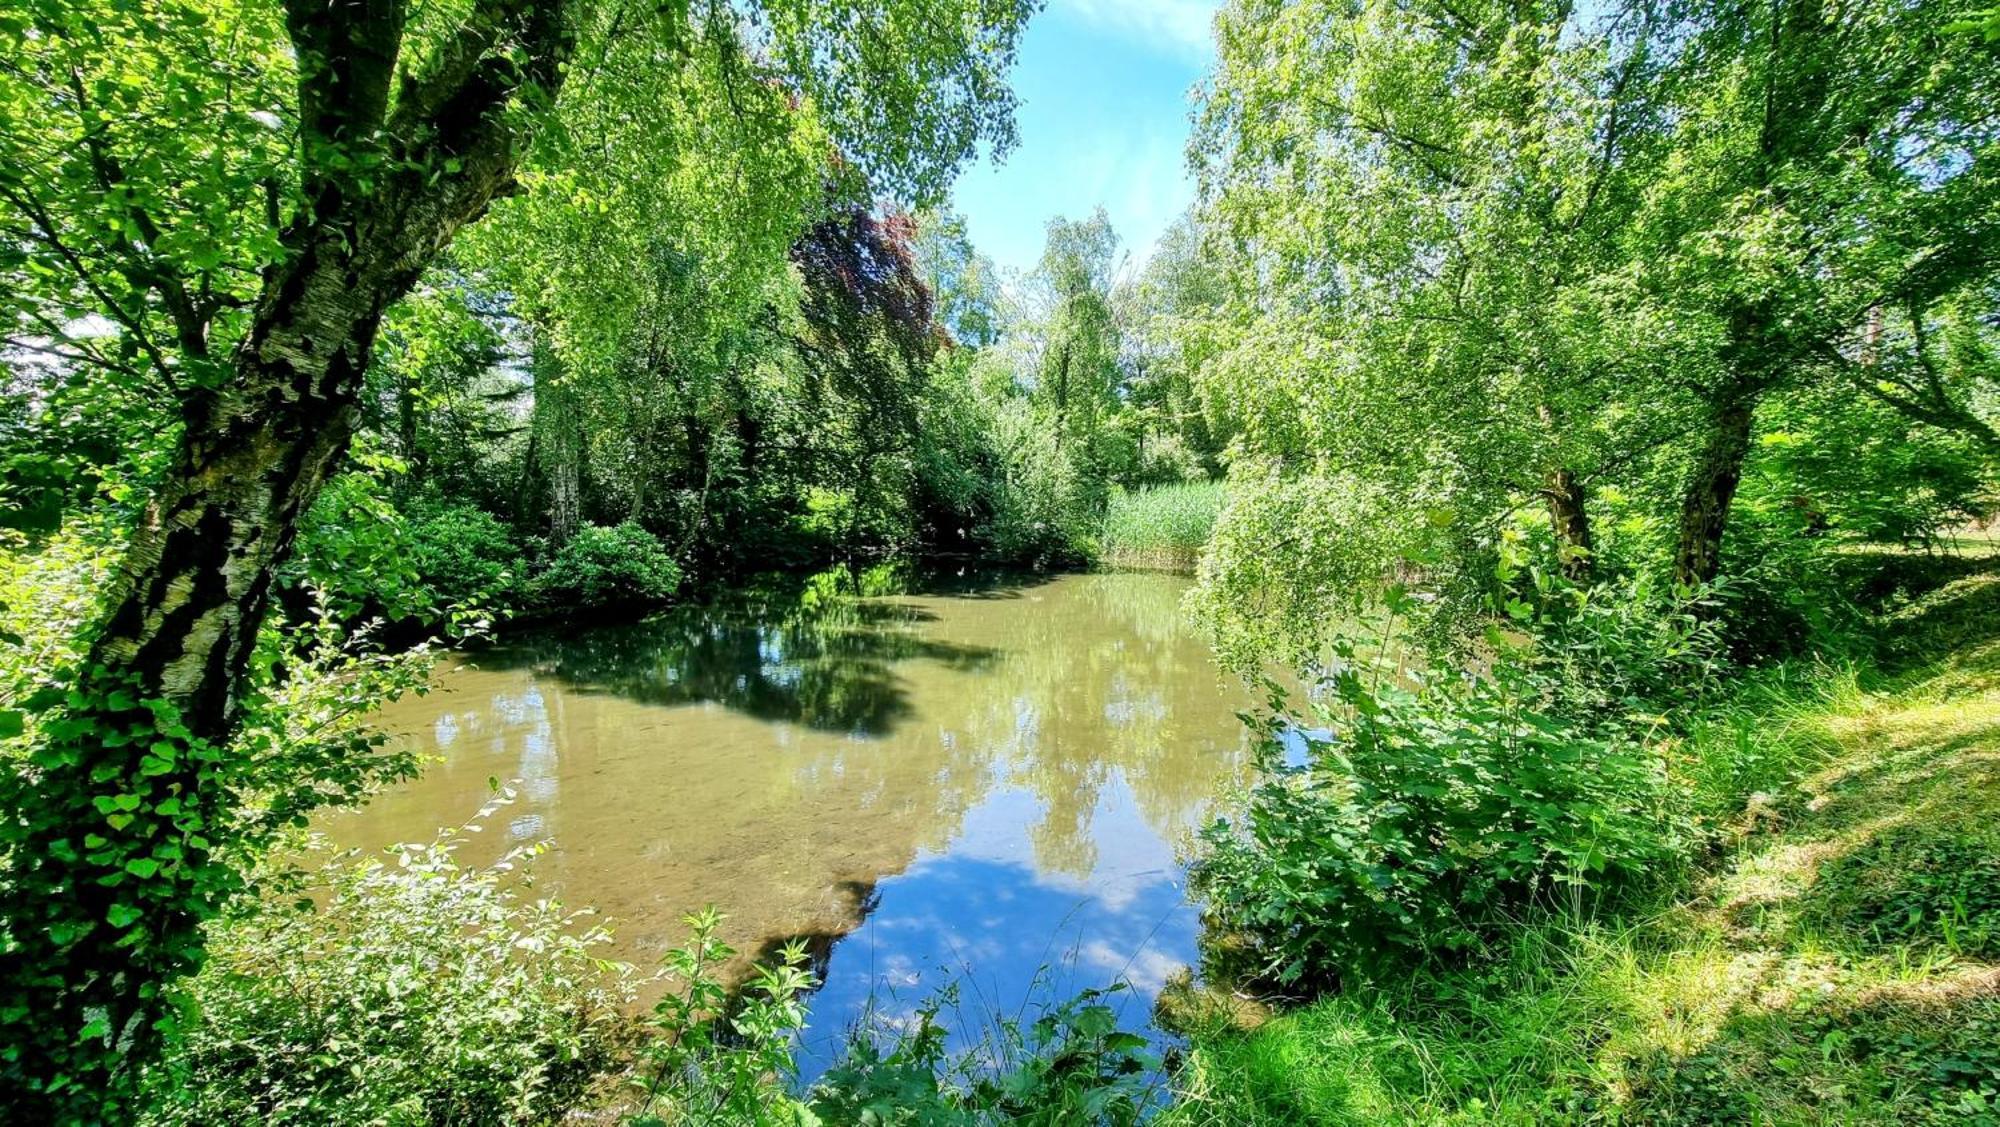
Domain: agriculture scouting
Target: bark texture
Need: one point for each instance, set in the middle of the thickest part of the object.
(1711, 490)
(1569, 522)
(192, 591)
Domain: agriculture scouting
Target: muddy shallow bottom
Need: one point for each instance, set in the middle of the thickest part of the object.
(986, 786)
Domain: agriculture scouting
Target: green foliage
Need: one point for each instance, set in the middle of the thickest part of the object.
(1296, 557)
(1070, 1065)
(178, 840)
(1473, 261)
(1045, 504)
(179, 177)
(1886, 1063)
(1427, 817)
(714, 1058)
(135, 864)
(353, 550)
(465, 558)
(1165, 526)
(398, 989)
(49, 589)
(1828, 466)
(1832, 965)
(70, 439)
(435, 564)
(605, 568)
(1625, 654)
(963, 283)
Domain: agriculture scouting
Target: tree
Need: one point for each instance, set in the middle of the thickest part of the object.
(1079, 377)
(1481, 256)
(1165, 315)
(248, 262)
(1825, 168)
(1415, 204)
(964, 284)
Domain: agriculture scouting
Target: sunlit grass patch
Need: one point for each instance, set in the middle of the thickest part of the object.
(1854, 929)
(1837, 964)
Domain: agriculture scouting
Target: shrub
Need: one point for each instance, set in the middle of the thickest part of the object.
(418, 991)
(434, 564)
(464, 558)
(717, 1061)
(353, 552)
(1611, 653)
(1423, 818)
(608, 567)
(48, 590)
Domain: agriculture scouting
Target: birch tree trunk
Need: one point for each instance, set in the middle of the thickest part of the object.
(150, 715)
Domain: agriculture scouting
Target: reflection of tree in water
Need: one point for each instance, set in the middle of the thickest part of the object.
(1104, 681)
(825, 667)
(1065, 692)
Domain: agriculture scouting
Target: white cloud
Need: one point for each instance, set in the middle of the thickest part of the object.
(1180, 26)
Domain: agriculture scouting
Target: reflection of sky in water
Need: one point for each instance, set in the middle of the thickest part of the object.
(1007, 938)
(1296, 743)
(980, 791)
(1012, 935)
(537, 767)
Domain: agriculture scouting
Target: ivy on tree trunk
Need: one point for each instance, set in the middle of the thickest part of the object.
(392, 164)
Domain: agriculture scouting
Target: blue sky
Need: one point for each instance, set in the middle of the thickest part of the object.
(1104, 88)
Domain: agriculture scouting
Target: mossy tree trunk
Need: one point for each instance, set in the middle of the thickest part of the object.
(1711, 491)
(1569, 523)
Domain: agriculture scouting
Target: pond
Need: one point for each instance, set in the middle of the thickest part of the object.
(985, 784)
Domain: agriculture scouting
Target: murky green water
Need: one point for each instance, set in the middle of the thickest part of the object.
(987, 786)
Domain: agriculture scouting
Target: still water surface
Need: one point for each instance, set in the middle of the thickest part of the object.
(985, 786)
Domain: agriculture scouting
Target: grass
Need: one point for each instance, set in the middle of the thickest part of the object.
(1162, 528)
(1838, 961)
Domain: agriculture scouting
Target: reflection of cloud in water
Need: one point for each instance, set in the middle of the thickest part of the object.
(538, 764)
(1147, 970)
(1007, 937)
(991, 915)
(519, 708)
(976, 786)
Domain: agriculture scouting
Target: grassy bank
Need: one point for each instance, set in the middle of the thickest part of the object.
(1161, 528)
(1836, 960)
